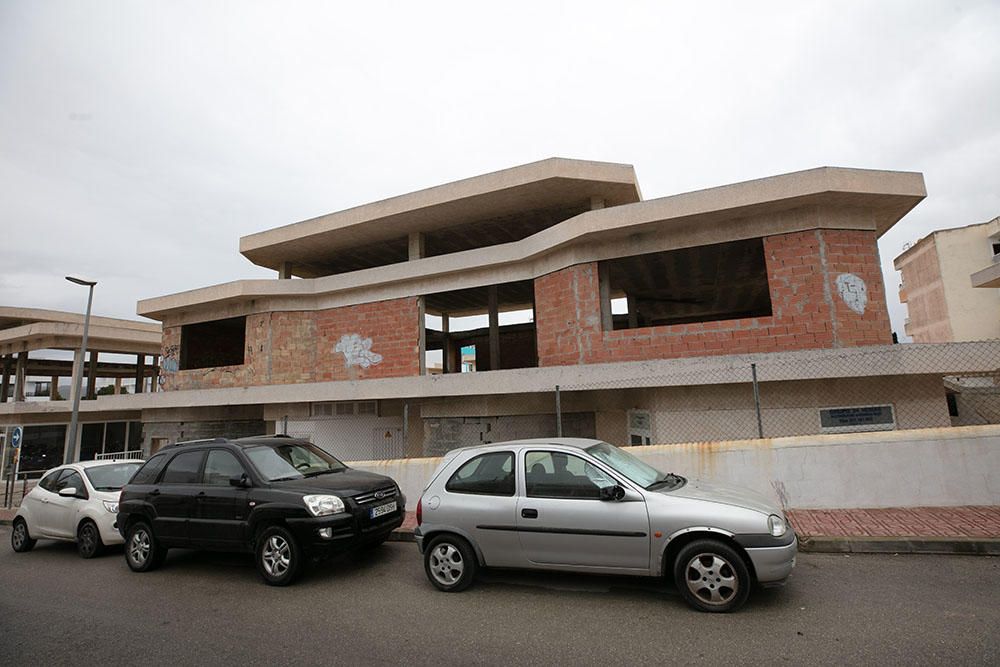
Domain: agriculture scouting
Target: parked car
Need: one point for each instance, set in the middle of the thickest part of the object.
(282, 499)
(77, 502)
(586, 506)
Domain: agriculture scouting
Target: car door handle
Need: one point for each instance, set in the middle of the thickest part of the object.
(154, 492)
(201, 496)
(529, 513)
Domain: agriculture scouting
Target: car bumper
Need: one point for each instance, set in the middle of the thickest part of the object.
(107, 526)
(328, 535)
(773, 564)
(418, 537)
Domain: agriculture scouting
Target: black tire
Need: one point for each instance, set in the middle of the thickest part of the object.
(279, 557)
(20, 538)
(142, 550)
(88, 540)
(450, 563)
(712, 576)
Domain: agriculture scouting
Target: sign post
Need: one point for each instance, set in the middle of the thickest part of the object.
(16, 435)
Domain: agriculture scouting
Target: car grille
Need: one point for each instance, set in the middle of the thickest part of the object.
(387, 493)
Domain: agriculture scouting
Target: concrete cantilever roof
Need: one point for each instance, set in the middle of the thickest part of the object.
(539, 185)
(25, 329)
(866, 199)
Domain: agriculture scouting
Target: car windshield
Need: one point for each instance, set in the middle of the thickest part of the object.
(291, 461)
(628, 465)
(111, 477)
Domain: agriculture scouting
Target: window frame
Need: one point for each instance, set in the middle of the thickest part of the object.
(513, 473)
(587, 461)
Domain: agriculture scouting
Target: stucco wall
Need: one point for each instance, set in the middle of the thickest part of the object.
(929, 467)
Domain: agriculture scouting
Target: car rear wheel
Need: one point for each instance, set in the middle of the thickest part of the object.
(450, 563)
(88, 540)
(712, 576)
(279, 558)
(20, 539)
(142, 551)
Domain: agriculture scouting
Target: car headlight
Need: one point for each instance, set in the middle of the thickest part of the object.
(111, 506)
(323, 505)
(776, 525)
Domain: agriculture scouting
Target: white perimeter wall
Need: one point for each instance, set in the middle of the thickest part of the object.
(927, 467)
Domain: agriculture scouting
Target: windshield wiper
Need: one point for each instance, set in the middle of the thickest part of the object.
(669, 478)
(322, 472)
(285, 479)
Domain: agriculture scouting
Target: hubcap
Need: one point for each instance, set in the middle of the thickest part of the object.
(138, 547)
(277, 556)
(87, 538)
(446, 563)
(712, 579)
(19, 535)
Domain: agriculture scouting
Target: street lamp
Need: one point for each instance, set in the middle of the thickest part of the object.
(78, 368)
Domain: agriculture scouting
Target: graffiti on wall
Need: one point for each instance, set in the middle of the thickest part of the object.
(168, 363)
(853, 291)
(357, 351)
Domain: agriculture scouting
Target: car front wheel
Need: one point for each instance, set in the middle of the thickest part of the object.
(450, 563)
(20, 540)
(279, 558)
(88, 540)
(142, 551)
(712, 576)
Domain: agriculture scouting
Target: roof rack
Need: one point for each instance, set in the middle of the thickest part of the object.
(203, 441)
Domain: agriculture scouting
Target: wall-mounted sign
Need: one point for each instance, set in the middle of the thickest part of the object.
(858, 418)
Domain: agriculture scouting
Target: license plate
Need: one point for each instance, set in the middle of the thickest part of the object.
(382, 510)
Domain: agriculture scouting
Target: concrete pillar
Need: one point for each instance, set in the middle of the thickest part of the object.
(417, 246)
(154, 374)
(596, 203)
(118, 386)
(604, 289)
(5, 381)
(140, 372)
(20, 375)
(92, 376)
(633, 315)
(54, 388)
(285, 271)
(77, 372)
(494, 328)
(422, 335)
(447, 363)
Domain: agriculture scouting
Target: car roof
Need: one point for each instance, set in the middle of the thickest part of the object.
(573, 443)
(104, 462)
(251, 441)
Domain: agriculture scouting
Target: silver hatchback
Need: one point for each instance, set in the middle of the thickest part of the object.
(586, 506)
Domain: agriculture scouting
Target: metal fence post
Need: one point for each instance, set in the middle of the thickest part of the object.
(406, 428)
(756, 400)
(558, 414)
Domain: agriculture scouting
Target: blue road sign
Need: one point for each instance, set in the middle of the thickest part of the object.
(15, 437)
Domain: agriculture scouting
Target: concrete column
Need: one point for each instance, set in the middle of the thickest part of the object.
(5, 381)
(20, 375)
(154, 374)
(92, 376)
(77, 371)
(604, 289)
(422, 335)
(633, 315)
(447, 364)
(494, 329)
(285, 271)
(417, 246)
(118, 386)
(140, 372)
(53, 387)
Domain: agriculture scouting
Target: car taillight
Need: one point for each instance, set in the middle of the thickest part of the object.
(420, 510)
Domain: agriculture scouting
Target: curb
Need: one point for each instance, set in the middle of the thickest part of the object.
(974, 546)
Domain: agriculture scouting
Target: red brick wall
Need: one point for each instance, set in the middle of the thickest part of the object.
(807, 309)
(301, 346)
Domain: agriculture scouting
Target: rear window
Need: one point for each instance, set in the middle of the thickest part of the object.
(147, 474)
(487, 474)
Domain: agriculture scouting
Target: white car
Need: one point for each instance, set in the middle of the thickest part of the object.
(76, 502)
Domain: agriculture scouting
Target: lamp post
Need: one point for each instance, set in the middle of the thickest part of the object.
(78, 370)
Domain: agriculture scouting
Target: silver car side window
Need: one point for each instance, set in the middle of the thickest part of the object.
(561, 475)
(489, 474)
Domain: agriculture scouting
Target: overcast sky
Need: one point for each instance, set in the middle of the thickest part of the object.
(140, 140)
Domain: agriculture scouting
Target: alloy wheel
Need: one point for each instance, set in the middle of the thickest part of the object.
(277, 556)
(20, 534)
(447, 564)
(711, 579)
(139, 546)
(88, 539)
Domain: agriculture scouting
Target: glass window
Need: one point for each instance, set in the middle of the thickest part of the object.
(487, 474)
(636, 470)
(293, 460)
(560, 475)
(70, 478)
(91, 441)
(148, 473)
(49, 480)
(114, 438)
(220, 467)
(111, 477)
(183, 468)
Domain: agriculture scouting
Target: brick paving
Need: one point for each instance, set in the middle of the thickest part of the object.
(968, 521)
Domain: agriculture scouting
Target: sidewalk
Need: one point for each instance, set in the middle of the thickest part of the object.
(927, 530)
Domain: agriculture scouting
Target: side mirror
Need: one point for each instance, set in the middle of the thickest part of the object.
(240, 481)
(68, 492)
(615, 492)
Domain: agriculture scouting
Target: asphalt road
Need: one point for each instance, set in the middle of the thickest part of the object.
(202, 608)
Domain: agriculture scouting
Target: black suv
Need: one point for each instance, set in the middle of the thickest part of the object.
(282, 499)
